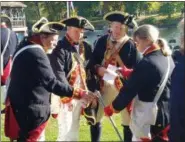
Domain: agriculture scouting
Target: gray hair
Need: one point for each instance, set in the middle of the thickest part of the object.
(151, 33)
(147, 32)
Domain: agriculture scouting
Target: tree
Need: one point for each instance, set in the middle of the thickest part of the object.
(136, 8)
(153, 7)
(87, 8)
(169, 8)
(53, 10)
(109, 6)
(32, 6)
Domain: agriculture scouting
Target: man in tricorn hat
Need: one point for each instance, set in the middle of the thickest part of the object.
(9, 43)
(69, 61)
(119, 50)
(32, 80)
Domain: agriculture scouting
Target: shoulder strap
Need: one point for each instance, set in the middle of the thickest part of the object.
(118, 58)
(4, 50)
(117, 51)
(78, 60)
(16, 55)
(74, 66)
(25, 48)
(161, 88)
(7, 41)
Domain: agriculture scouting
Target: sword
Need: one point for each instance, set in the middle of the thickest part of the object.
(110, 118)
(97, 93)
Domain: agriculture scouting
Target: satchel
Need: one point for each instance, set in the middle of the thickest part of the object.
(144, 114)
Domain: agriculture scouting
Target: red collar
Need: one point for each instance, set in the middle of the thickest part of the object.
(153, 48)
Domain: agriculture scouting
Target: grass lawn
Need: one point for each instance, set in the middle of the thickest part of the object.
(108, 133)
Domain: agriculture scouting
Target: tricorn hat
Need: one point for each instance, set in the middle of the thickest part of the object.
(44, 26)
(5, 20)
(121, 17)
(78, 22)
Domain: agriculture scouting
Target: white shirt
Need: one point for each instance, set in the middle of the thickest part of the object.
(77, 47)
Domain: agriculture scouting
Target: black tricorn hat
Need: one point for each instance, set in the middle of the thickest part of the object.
(44, 26)
(78, 22)
(121, 17)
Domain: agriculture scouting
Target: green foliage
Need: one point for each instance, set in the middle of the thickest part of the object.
(153, 6)
(74, 13)
(88, 8)
(53, 10)
(95, 10)
(136, 7)
(113, 6)
(150, 20)
(108, 133)
(162, 20)
(169, 8)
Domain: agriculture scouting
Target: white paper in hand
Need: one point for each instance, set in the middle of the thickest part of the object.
(111, 74)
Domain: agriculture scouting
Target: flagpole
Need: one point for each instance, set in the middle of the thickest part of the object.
(67, 9)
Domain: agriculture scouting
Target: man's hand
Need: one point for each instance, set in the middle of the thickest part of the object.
(87, 98)
(125, 72)
(101, 71)
(108, 110)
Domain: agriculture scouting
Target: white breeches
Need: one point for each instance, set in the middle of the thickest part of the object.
(109, 93)
(134, 138)
(42, 136)
(68, 121)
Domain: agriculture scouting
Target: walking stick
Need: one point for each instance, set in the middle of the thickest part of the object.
(110, 118)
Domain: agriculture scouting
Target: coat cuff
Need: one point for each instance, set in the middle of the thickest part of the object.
(114, 110)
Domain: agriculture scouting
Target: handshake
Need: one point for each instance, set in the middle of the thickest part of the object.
(87, 97)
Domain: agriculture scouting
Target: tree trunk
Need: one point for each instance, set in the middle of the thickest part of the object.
(37, 8)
